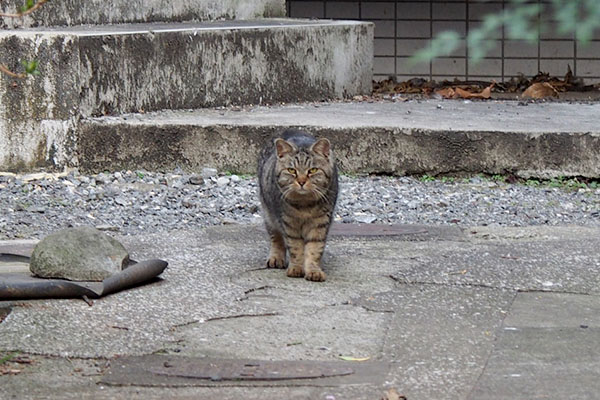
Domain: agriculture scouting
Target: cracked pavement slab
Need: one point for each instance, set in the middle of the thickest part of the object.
(403, 301)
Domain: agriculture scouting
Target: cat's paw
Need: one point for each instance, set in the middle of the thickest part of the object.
(276, 262)
(295, 271)
(315, 275)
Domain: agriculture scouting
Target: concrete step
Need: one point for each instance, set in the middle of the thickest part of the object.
(115, 69)
(99, 12)
(413, 137)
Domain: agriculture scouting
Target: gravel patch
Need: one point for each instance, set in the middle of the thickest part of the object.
(137, 202)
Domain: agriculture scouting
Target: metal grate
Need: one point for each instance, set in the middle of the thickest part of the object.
(402, 27)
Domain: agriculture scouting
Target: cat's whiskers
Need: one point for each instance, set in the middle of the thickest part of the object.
(320, 195)
(285, 192)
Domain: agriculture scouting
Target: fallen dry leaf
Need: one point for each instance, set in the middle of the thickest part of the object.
(484, 94)
(540, 90)
(447, 93)
(10, 371)
(349, 358)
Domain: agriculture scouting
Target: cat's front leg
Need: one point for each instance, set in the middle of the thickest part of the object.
(313, 251)
(277, 253)
(295, 247)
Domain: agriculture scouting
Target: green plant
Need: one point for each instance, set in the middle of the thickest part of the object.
(520, 20)
(427, 178)
(7, 357)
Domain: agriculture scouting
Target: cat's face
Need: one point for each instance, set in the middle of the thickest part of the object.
(304, 173)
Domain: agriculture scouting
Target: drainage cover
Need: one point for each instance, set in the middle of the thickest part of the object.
(248, 370)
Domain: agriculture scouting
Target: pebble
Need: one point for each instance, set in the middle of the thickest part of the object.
(209, 172)
(142, 202)
(223, 181)
(196, 180)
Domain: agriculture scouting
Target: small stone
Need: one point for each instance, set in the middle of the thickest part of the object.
(107, 227)
(366, 219)
(196, 180)
(78, 254)
(178, 183)
(235, 178)
(36, 209)
(122, 201)
(101, 179)
(209, 172)
(223, 181)
(413, 204)
(187, 203)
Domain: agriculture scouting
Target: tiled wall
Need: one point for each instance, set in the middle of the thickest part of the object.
(401, 27)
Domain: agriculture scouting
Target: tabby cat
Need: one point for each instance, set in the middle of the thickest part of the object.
(298, 189)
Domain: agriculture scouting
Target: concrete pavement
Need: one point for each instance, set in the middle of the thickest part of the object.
(437, 312)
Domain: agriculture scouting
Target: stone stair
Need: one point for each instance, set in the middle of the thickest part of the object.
(425, 137)
(101, 12)
(139, 56)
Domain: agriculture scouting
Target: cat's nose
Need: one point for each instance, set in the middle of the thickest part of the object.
(301, 181)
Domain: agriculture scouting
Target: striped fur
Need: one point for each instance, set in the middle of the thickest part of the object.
(298, 190)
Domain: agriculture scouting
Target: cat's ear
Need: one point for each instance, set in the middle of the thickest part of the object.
(283, 147)
(322, 147)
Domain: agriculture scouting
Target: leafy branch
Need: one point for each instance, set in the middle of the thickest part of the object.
(31, 67)
(26, 9)
(521, 21)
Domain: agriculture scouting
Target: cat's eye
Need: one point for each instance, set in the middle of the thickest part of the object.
(313, 170)
(291, 171)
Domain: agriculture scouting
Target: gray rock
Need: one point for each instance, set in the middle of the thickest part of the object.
(78, 254)
(122, 201)
(209, 172)
(223, 181)
(366, 219)
(196, 180)
(36, 209)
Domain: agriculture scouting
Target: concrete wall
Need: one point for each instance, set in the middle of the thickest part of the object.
(76, 12)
